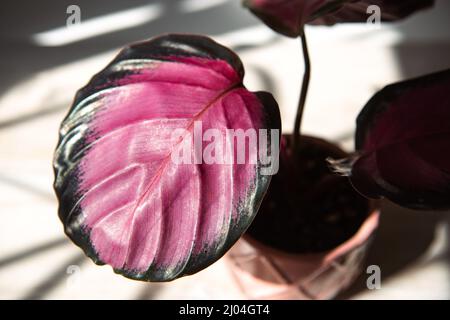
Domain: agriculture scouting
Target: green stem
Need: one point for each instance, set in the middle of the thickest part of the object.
(303, 93)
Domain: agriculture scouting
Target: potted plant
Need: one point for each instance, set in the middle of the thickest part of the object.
(165, 159)
(312, 231)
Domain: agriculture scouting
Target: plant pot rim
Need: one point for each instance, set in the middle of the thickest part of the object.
(305, 267)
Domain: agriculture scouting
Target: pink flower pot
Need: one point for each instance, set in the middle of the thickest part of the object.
(266, 273)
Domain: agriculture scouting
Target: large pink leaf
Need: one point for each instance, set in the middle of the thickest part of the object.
(289, 16)
(403, 143)
(122, 197)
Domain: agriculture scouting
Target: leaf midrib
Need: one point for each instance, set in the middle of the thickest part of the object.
(166, 159)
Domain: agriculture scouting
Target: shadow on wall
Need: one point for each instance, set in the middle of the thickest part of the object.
(21, 57)
(403, 237)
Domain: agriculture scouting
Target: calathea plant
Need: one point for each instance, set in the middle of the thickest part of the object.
(127, 203)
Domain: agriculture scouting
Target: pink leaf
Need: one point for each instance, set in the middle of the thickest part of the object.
(123, 198)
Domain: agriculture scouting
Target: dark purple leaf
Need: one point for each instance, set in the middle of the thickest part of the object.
(285, 16)
(403, 143)
(122, 197)
(289, 16)
(357, 11)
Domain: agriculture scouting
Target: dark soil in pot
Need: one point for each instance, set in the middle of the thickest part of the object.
(308, 209)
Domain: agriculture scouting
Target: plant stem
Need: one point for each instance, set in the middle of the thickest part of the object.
(303, 93)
